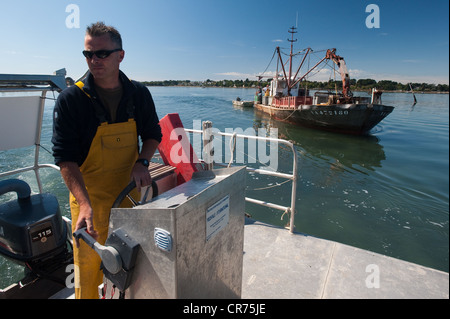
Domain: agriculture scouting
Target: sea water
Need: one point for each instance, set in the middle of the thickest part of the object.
(386, 192)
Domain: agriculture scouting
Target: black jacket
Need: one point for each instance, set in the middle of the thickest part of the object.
(75, 122)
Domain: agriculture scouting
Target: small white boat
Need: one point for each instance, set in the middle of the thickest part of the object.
(240, 103)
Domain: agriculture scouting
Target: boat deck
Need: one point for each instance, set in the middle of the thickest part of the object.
(281, 265)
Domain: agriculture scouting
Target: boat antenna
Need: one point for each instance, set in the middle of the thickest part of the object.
(292, 31)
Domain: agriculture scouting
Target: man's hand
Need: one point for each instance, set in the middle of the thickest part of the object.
(75, 183)
(141, 176)
(140, 173)
(85, 219)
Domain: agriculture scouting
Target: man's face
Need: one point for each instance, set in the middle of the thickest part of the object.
(103, 69)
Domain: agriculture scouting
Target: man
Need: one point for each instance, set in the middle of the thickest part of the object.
(95, 135)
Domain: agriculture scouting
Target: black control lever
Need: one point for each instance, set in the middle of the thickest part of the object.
(109, 255)
(118, 255)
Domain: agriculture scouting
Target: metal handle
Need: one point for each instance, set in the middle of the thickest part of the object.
(109, 255)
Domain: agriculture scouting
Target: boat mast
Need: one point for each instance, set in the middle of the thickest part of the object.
(292, 31)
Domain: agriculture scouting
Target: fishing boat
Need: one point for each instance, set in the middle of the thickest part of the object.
(186, 240)
(334, 111)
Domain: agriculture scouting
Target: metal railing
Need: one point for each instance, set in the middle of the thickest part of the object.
(24, 83)
(208, 152)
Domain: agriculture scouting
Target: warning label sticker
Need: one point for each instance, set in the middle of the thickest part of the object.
(217, 217)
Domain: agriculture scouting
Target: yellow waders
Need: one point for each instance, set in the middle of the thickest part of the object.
(106, 172)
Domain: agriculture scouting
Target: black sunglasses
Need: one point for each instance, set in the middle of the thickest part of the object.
(101, 54)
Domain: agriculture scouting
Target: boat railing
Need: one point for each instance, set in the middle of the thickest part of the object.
(208, 158)
(291, 101)
(22, 115)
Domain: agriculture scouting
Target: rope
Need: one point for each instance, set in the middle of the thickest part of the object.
(232, 148)
(292, 113)
(274, 52)
(44, 149)
(287, 211)
(269, 187)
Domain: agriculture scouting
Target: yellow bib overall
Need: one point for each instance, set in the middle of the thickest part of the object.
(106, 171)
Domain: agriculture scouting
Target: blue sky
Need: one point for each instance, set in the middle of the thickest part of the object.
(200, 39)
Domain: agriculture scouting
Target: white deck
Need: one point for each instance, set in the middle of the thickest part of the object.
(281, 265)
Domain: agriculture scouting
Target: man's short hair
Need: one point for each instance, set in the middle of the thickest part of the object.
(100, 28)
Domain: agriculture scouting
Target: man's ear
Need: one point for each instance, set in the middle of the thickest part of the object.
(121, 56)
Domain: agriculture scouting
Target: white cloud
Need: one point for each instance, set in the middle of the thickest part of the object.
(12, 52)
(401, 78)
(430, 79)
(237, 75)
(325, 74)
(411, 61)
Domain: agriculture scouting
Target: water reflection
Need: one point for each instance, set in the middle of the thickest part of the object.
(341, 152)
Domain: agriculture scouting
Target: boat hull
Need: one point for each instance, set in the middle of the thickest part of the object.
(344, 118)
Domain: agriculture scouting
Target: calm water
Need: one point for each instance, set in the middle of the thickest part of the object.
(387, 192)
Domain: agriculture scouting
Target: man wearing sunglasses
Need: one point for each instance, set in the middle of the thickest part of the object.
(96, 127)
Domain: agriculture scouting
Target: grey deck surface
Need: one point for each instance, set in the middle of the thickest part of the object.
(278, 265)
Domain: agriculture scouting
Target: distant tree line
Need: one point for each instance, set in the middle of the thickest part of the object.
(170, 83)
(355, 85)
